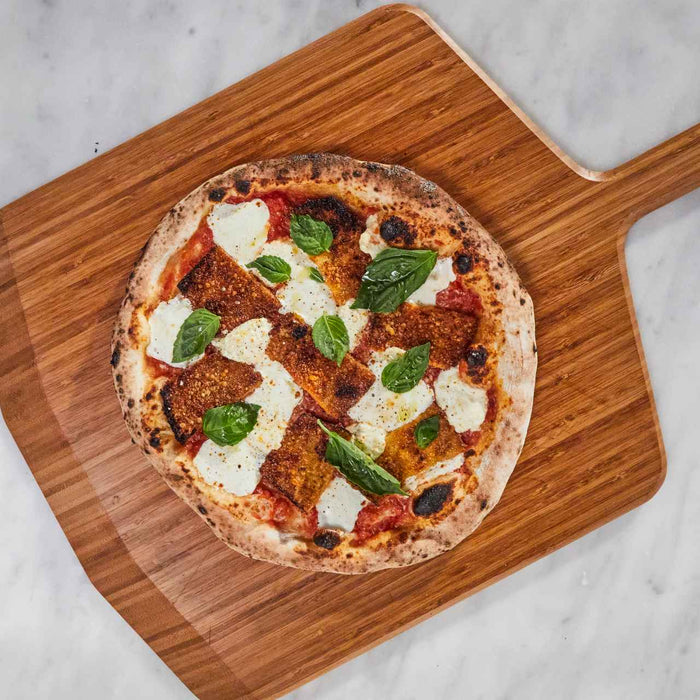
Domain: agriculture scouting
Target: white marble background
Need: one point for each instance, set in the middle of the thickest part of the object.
(614, 615)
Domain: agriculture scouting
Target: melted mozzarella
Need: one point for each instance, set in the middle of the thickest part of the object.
(371, 438)
(247, 342)
(383, 408)
(464, 405)
(355, 321)
(439, 469)
(301, 294)
(339, 505)
(440, 278)
(237, 467)
(240, 229)
(165, 323)
(370, 240)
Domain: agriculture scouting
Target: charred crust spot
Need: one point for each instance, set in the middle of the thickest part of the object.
(500, 263)
(211, 522)
(433, 499)
(497, 285)
(116, 354)
(396, 229)
(464, 264)
(216, 195)
(483, 504)
(403, 537)
(522, 301)
(202, 510)
(372, 167)
(118, 378)
(346, 391)
(331, 211)
(243, 186)
(470, 453)
(130, 403)
(348, 555)
(476, 357)
(356, 173)
(148, 396)
(154, 441)
(534, 348)
(463, 226)
(327, 539)
(298, 332)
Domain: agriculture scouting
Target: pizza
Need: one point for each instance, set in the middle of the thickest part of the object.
(329, 360)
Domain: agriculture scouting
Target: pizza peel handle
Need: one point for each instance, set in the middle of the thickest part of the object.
(654, 178)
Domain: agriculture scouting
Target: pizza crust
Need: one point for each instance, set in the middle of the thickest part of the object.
(449, 225)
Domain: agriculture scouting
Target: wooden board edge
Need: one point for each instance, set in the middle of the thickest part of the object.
(88, 529)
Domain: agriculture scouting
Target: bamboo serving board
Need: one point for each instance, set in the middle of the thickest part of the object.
(387, 87)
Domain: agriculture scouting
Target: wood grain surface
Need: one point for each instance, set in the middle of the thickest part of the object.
(388, 87)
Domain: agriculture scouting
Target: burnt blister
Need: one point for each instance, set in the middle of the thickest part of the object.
(433, 499)
(243, 186)
(327, 539)
(216, 195)
(116, 354)
(331, 211)
(298, 332)
(464, 264)
(476, 357)
(395, 229)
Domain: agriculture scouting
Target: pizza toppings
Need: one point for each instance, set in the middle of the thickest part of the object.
(219, 284)
(235, 468)
(439, 279)
(357, 467)
(355, 321)
(464, 405)
(229, 424)
(240, 229)
(426, 431)
(212, 381)
(312, 236)
(272, 268)
(330, 336)
(297, 468)
(384, 408)
(392, 277)
(389, 512)
(449, 332)
(396, 230)
(339, 505)
(334, 388)
(444, 468)
(404, 456)
(165, 323)
(368, 438)
(194, 335)
(404, 373)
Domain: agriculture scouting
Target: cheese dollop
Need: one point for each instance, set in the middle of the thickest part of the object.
(339, 505)
(240, 229)
(464, 405)
(165, 323)
(440, 469)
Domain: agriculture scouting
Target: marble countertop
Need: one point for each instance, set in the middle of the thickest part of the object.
(613, 615)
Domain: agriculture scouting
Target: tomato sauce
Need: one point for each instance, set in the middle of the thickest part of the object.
(470, 438)
(194, 443)
(459, 298)
(185, 259)
(389, 512)
(280, 203)
(156, 368)
(286, 516)
(431, 374)
(492, 409)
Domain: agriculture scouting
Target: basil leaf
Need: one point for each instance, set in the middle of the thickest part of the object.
(392, 277)
(272, 268)
(357, 467)
(331, 338)
(229, 424)
(195, 334)
(312, 236)
(316, 275)
(426, 431)
(402, 374)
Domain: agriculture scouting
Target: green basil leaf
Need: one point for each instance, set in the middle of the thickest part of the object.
(316, 275)
(229, 424)
(392, 277)
(195, 334)
(403, 373)
(272, 268)
(312, 236)
(331, 338)
(426, 431)
(357, 467)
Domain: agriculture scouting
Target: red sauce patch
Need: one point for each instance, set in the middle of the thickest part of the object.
(185, 259)
(156, 368)
(194, 443)
(459, 298)
(286, 516)
(280, 203)
(470, 437)
(492, 396)
(388, 513)
(431, 374)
